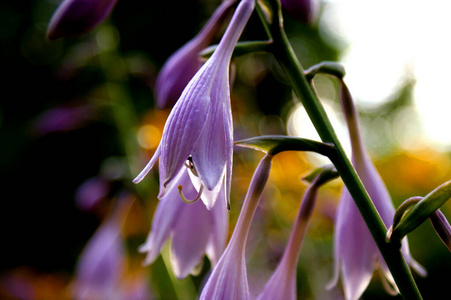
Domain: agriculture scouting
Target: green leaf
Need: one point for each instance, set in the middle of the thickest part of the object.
(274, 144)
(421, 211)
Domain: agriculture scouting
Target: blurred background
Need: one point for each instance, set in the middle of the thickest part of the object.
(67, 157)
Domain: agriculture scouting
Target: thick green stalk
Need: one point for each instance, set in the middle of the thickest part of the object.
(283, 52)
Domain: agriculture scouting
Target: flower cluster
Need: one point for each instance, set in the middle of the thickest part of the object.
(195, 158)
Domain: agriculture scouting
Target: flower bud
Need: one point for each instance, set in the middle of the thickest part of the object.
(304, 11)
(76, 17)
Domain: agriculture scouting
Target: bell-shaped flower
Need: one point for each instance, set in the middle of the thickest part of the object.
(195, 231)
(199, 127)
(228, 279)
(76, 17)
(102, 263)
(185, 62)
(282, 283)
(355, 252)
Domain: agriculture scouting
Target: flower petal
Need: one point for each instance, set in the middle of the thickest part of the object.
(191, 234)
(166, 214)
(229, 279)
(209, 153)
(208, 197)
(356, 249)
(75, 17)
(185, 122)
(149, 166)
(220, 227)
(185, 62)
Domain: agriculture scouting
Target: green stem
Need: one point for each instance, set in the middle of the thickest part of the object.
(283, 52)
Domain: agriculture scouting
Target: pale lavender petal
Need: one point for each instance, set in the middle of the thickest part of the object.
(191, 234)
(149, 165)
(229, 153)
(185, 122)
(357, 251)
(281, 285)
(165, 217)
(208, 197)
(63, 119)
(185, 62)
(91, 192)
(228, 279)
(102, 262)
(219, 220)
(76, 17)
(209, 154)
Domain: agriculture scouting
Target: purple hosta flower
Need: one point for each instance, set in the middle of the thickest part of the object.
(194, 229)
(199, 127)
(282, 284)
(305, 11)
(356, 254)
(62, 119)
(229, 279)
(90, 193)
(185, 62)
(76, 17)
(102, 263)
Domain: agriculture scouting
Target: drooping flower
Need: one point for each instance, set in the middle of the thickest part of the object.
(102, 263)
(282, 284)
(304, 11)
(185, 62)
(229, 279)
(194, 229)
(199, 127)
(355, 252)
(76, 17)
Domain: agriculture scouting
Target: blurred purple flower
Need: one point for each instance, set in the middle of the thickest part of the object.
(282, 284)
(229, 279)
(194, 229)
(76, 17)
(305, 11)
(61, 119)
(91, 192)
(199, 127)
(101, 265)
(355, 252)
(185, 62)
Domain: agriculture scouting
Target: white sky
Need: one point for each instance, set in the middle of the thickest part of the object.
(387, 40)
